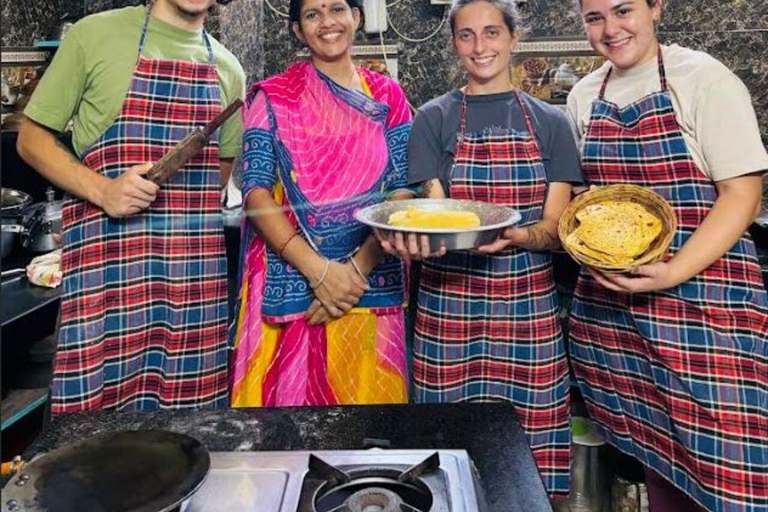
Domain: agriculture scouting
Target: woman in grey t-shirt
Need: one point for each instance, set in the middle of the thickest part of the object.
(487, 324)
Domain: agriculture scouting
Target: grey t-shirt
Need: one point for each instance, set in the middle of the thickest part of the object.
(436, 126)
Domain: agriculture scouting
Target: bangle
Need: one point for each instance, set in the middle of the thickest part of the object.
(322, 276)
(285, 244)
(359, 272)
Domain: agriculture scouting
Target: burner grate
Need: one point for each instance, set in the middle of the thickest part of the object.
(372, 488)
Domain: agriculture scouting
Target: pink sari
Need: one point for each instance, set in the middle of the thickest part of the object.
(323, 151)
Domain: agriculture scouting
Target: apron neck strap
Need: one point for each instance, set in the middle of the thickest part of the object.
(462, 116)
(662, 75)
(528, 122)
(145, 27)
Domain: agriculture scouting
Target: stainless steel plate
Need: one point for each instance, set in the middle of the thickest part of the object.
(493, 219)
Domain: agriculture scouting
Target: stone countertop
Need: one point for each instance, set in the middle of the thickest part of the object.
(489, 432)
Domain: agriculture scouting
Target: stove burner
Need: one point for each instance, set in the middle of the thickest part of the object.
(374, 499)
(414, 496)
(388, 488)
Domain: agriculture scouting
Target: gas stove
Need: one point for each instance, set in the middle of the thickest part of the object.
(373, 480)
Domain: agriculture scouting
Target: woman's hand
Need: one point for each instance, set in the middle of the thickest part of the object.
(341, 288)
(645, 278)
(509, 237)
(317, 314)
(736, 206)
(410, 246)
(541, 236)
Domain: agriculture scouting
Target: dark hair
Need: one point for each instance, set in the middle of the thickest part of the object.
(579, 3)
(508, 9)
(294, 10)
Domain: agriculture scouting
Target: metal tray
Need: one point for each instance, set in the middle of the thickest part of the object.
(493, 218)
(129, 471)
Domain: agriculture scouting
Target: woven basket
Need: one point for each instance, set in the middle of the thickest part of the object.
(652, 201)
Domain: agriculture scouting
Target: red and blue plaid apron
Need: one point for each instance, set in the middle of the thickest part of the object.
(677, 378)
(487, 326)
(143, 313)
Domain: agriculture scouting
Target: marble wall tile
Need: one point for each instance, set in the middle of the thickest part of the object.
(544, 18)
(276, 27)
(25, 22)
(715, 16)
(744, 54)
(241, 31)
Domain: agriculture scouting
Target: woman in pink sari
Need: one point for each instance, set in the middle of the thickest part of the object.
(320, 313)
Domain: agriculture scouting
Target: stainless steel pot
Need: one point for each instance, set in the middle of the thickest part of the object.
(42, 225)
(12, 204)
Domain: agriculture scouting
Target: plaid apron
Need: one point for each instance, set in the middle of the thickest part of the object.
(143, 313)
(677, 378)
(487, 326)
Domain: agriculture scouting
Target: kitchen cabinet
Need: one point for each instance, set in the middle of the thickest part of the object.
(27, 316)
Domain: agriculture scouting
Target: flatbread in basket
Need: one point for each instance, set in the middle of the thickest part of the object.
(618, 227)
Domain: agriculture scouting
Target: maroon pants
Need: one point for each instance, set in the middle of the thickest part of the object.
(665, 497)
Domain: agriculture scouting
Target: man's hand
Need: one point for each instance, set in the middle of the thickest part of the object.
(129, 193)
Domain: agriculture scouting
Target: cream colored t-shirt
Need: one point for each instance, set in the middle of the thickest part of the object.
(712, 106)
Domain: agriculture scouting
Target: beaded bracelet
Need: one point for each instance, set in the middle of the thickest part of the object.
(359, 272)
(322, 276)
(285, 244)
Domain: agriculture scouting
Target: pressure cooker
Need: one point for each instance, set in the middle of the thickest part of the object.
(39, 225)
(12, 205)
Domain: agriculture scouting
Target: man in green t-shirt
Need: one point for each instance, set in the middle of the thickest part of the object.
(143, 315)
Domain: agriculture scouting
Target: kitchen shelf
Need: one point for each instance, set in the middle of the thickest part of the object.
(19, 298)
(21, 56)
(19, 403)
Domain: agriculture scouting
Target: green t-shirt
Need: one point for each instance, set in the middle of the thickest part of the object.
(89, 77)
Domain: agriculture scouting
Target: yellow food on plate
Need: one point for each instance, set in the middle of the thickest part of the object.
(414, 217)
(616, 232)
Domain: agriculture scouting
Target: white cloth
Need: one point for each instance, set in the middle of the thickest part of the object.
(45, 270)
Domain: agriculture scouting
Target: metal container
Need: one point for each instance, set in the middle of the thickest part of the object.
(493, 219)
(42, 225)
(589, 480)
(12, 205)
(628, 496)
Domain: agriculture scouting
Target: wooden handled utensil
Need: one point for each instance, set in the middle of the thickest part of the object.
(189, 146)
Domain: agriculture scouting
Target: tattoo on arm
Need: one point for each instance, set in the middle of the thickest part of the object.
(540, 239)
(426, 188)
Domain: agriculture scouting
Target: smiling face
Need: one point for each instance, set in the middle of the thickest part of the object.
(483, 43)
(622, 30)
(327, 27)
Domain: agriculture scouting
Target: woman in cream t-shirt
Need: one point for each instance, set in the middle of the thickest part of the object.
(671, 358)
(712, 106)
